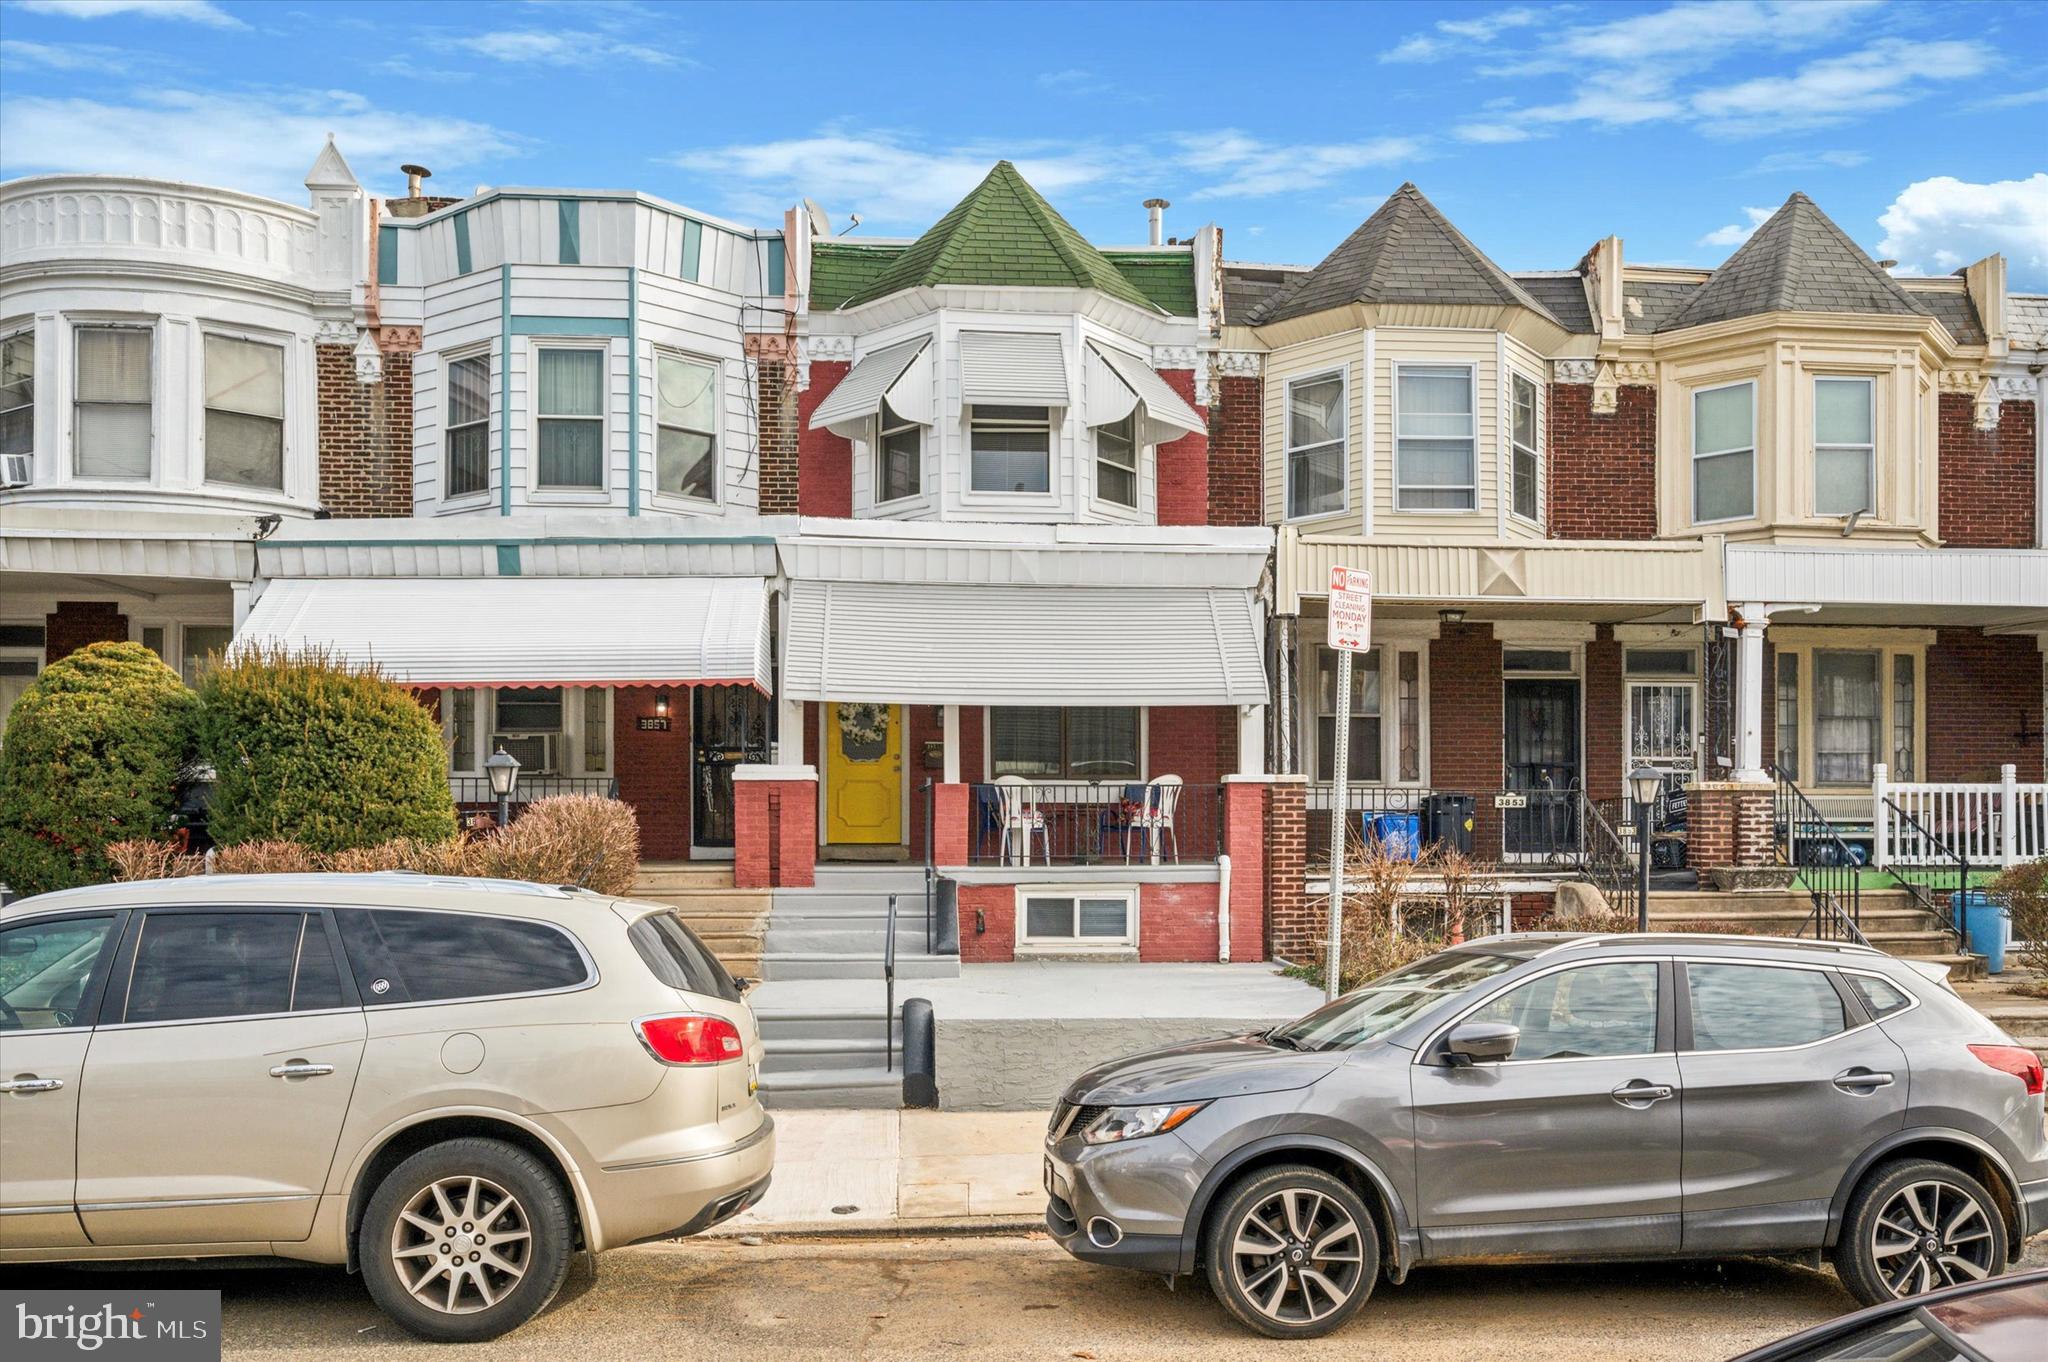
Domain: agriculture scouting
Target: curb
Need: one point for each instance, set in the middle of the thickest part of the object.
(959, 1227)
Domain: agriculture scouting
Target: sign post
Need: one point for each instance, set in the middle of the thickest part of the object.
(1350, 632)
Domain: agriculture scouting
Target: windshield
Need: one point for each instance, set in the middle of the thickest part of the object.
(1390, 1001)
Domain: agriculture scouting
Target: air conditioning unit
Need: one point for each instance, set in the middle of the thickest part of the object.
(535, 752)
(16, 470)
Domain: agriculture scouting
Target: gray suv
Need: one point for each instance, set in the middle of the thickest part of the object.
(1558, 1096)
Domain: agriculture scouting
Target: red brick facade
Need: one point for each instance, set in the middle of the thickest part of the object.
(1465, 722)
(1728, 825)
(1987, 476)
(365, 435)
(824, 460)
(78, 623)
(775, 830)
(776, 402)
(1602, 471)
(1236, 452)
(1983, 692)
(1176, 922)
(1288, 909)
(1606, 762)
(653, 770)
(1183, 464)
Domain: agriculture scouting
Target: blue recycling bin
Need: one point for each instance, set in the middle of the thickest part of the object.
(1987, 923)
(1399, 834)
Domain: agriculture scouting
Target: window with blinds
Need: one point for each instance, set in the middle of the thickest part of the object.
(112, 410)
(244, 412)
(570, 415)
(469, 426)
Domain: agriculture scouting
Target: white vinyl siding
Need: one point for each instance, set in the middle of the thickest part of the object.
(1724, 452)
(1844, 445)
(1436, 437)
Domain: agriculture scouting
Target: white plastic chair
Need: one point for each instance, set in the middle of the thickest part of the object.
(1017, 811)
(1154, 818)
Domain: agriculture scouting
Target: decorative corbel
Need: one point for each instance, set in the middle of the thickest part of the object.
(1987, 405)
(1577, 372)
(1606, 389)
(369, 360)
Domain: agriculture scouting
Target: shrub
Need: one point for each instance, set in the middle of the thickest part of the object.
(569, 839)
(2024, 888)
(92, 756)
(271, 857)
(450, 857)
(313, 750)
(1603, 921)
(140, 858)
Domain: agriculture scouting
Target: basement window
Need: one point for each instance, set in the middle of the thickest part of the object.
(1067, 920)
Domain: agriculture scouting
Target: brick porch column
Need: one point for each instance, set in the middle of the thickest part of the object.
(1728, 823)
(775, 826)
(950, 830)
(1245, 801)
(1288, 920)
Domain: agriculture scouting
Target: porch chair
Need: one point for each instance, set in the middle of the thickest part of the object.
(1020, 817)
(1154, 818)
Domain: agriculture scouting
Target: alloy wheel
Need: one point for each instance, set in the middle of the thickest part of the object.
(1931, 1234)
(1297, 1255)
(461, 1244)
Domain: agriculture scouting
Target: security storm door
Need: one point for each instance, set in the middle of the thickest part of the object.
(1541, 747)
(729, 725)
(863, 774)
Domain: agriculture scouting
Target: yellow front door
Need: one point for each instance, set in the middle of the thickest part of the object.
(863, 773)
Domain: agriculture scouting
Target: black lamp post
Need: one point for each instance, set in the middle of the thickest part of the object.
(1643, 783)
(503, 769)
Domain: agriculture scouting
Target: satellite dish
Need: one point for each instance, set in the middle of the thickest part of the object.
(821, 221)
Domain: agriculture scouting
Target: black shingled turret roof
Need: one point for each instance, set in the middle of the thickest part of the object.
(1798, 261)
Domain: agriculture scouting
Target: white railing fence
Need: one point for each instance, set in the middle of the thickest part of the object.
(1987, 823)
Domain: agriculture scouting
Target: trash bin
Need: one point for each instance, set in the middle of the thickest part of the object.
(1398, 834)
(1987, 924)
(1447, 821)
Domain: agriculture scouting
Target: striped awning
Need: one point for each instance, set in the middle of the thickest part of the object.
(1118, 382)
(928, 644)
(899, 373)
(527, 631)
(1014, 368)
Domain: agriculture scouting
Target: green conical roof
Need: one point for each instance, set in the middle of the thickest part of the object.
(1003, 233)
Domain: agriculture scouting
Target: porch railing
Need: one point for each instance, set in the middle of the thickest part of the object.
(1076, 822)
(1829, 871)
(473, 793)
(1933, 876)
(1361, 802)
(1985, 823)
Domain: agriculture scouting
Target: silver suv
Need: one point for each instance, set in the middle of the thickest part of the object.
(1556, 1096)
(450, 1086)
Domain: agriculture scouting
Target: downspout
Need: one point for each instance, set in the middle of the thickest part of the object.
(632, 390)
(505, 390)
(1223, 909)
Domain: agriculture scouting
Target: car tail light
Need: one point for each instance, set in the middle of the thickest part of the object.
(690, 1039)
(2022, 1064)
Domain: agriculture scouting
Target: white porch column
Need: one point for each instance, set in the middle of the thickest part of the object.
(1251, 740)
(2008, 815)
(949, 732)
(1880, 815)
(789, 732)
(1749, 695)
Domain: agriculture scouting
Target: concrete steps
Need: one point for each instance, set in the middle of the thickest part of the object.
(837, 1089)
(729, 921)
(1891, 920)
(657, 877)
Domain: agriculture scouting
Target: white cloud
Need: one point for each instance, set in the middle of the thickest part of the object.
(1938, 226)
(2016, 100)
(559, 47)
(1251, 168)
(1883, 75)
(1786, 162)
(1734, 234)
(1696, 30)
(1492, 133)
(191, 11)
(262, 143)
(1453, 35)
(65, 56)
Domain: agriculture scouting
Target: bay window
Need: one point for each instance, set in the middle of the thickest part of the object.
(1844, 446)
(1051, 743)
(1847, 701)
(113, 413)
(18, 393)
(570, 419)
(1436, 462)
(244, 412)
(469, 426)
(1316, 455)
(1010, 449)
(1116, 461)
(1724, 453)
(899, 456)
(1527, 472)
(686, 427)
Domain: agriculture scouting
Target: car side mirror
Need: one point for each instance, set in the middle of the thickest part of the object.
(1482, 1042)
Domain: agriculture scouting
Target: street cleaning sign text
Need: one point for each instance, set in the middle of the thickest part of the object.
(1350, 609)
(1350, 632)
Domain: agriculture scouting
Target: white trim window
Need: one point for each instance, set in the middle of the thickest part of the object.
(552, 730)
(1663, 706)
(1526, 437)
(1844, 446)
(1116, 462)
(899, 456)
(1064, 920)
(1387, 716)
(1316, 455)
(1724, 452)
(569, 384)
(1436, 438)
(114, 410)
(244, 412)
(468, 437)
(686, 392)
(1044, 742)
(18, 393)
(1010, 449)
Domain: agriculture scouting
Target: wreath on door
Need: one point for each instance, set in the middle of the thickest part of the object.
(864, 724)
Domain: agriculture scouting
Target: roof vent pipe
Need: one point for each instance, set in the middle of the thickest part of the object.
(1155, 215)
(413, 176)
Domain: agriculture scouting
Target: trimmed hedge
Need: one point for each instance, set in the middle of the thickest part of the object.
(92, 756)
(312, 750)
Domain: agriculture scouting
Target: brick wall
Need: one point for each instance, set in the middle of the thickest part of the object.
(1981, 689)
(776, 402)
(988, 922)
(78, 623)
(775, 833)
(365, 435)
(1236, 452)
(1728, 825)
(1177, 922)
(824, 460)
(1602, 474)
(1987, 476)
(1465, 723)
(1183, 464)
(1198, 743)
(1606, 716)
(1286, 870)
(653, 770)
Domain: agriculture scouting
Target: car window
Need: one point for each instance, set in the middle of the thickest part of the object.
(1880, 999)
(401, 956)
(1758, 1007)
(190, 966)
(317, 981)
(677, 958)
(1902, 1338)
(1390, 1001)
(45, 969)
(1579, 1013)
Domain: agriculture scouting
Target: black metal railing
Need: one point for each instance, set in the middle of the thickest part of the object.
(889, 990)
(1049, 822)
(1935, 883)
(1828, 869)
(1605, 859)
(1362, 803)
(473, 793)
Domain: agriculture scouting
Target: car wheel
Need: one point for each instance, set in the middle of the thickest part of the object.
(1292, 1251)
(1917, 1225)
(465, 1240)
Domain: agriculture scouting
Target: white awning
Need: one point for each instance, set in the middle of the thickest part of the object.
(1013, 368)
(1117, 383)
(901, 643)
(527, 631)
(901, 373)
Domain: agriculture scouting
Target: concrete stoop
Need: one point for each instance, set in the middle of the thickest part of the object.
(1891, 921)
(730, 921)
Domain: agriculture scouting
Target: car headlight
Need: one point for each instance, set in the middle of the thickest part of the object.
(1134, 1123)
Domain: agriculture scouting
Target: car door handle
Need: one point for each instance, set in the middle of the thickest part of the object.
(1862, 1080)
(30, 1083)
(299, 1068)
(1639, 1094)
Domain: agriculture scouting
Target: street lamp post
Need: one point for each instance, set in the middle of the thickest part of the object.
(503, 769)
(1644, 782)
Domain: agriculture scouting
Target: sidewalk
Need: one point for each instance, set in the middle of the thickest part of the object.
(891, 1170)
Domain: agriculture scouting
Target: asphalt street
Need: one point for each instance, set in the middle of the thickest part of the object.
(1019, 1297)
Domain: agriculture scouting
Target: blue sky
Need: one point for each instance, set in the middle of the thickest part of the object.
(1536, 128)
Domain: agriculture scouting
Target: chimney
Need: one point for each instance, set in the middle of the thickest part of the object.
(414, 204)
(1155, 211)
